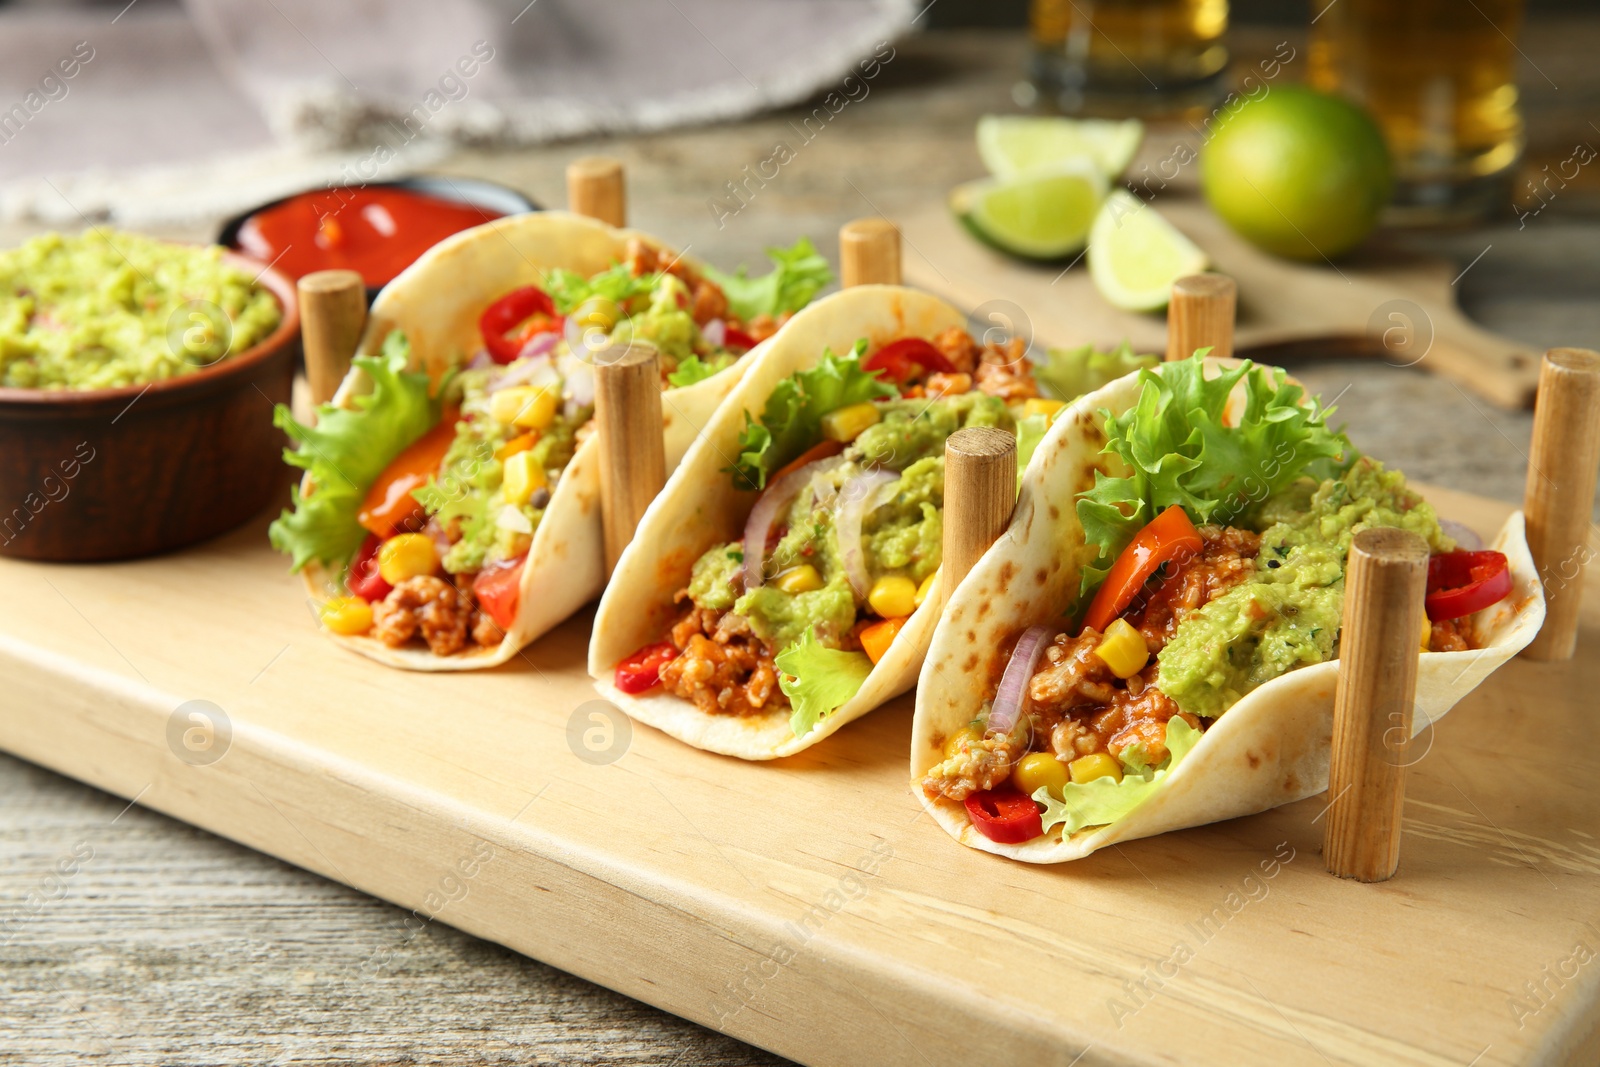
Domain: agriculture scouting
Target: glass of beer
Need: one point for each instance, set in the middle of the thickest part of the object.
(1128, 57)
(1440, 79)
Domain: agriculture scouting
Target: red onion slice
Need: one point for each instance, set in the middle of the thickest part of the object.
(777, 497)
(522, 372)
(1013, 692)
(577, 383)
(481, 360)
(1463, 535)
(715, 332)
(853, 502)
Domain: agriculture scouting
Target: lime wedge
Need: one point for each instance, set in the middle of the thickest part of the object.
(1045, 214)
(1015, 144)
(1135, 255)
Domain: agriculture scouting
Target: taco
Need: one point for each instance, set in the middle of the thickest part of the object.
(775, 589)
(1152, 643)
(449, 513)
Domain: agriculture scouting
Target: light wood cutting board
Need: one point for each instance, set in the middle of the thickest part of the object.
(1380, 304)
(807, 905)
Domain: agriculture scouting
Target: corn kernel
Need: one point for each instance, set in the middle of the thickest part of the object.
(519, 443)
(1039, 770)
(1123, 649)
(524, 406)
(522, 478)
(1427, 631)
(970, 733)
(347, 615)
(1097, 765)
(893, 596)
(1039, 405)
(801, 579)
(876, 639)
(407, 556)
(925, 588)
(845, 424)
(597, 312)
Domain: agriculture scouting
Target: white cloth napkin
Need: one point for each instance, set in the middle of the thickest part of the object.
(341, 72)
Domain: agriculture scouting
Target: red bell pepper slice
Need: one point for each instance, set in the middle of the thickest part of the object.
(1006, 815)
(821, 450)
(1461, 583)
(389, 507)
(526, 311)
(908, 358)
(642, 670)
(732, 338)
(1167, 537)
(498, 589)
(363, 578)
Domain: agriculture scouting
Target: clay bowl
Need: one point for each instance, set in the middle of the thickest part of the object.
(102, 474)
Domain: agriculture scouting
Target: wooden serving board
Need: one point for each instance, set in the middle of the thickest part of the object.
(1381, 303)
(806, 905)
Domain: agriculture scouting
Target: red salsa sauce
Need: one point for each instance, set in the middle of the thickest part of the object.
(377, 231)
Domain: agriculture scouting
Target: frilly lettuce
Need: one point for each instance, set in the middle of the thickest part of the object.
(1068, 373)
(791, 422)
(818, 679)
(798, 274)
(567, 289)
(694, 369)
(1178, 449)
(346, 451)
(1103, 801)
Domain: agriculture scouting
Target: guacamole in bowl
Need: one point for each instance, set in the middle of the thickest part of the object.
(105, 310)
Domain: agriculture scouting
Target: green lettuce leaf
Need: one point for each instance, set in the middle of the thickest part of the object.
(567, 289)
(1068, 373)
(818, 679)
(346, 451)
(791, 422)
(798, 274)
(1105, 800)
(694, 369)
(1177, 449)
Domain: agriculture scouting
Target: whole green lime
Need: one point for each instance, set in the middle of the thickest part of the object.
(1299, 173)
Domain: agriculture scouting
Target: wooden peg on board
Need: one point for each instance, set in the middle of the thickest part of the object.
(1380, 641)
(869, 253)
(595, 188)
(333, 311)
(633, 460)
(980, 492)
(1562, 466)
(1200, 314)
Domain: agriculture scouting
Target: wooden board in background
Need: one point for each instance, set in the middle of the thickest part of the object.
(806, 905)
(1284, 307)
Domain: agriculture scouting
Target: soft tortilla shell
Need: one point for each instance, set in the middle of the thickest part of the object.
(1270, 748)
(437, 302)
(700, 508)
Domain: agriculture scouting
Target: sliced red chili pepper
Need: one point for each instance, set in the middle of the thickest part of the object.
(732, 338)
(389, 506)
(1168, 536)
(642, 670)
(908, 358)
(363, 577)
(1461, 583)
(507, 323)
(498, 589)
(1006, 815)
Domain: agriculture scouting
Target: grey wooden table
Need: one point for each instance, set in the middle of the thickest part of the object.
(128, 938)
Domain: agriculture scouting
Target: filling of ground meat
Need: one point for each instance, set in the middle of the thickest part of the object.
(1077, 706)
(439, 613)
(721, 666)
